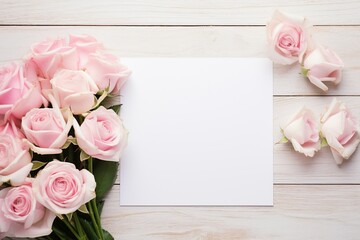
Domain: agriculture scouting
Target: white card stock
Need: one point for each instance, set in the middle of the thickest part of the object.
(200, 132)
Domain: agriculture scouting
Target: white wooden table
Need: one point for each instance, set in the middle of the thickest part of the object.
(313, 198)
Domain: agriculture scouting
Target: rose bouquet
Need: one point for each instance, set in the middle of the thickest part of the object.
(60, 144)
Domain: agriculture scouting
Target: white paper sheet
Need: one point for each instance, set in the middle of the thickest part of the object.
(200, 132)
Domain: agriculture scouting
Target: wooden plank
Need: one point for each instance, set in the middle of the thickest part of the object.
(299, 212)
(201, 42)
(175, 12)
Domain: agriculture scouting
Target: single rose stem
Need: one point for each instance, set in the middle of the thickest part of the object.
(68, 224)
(97, 216)
(90, 164)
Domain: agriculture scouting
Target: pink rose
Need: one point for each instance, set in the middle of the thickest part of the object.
(288, 36)
(74, 89)
(17, 95)
(341, 131)
(52, 54)
(62, 188)
(85, 45)
(11, 128)
(21, 215)
(323, 65)
(15, 160)
(46, 129)
(102, 135)
(107, 72)
(303, 132)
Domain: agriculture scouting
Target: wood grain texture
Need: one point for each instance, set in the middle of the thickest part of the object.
(175, 12)
(202, 42)
(299, 212)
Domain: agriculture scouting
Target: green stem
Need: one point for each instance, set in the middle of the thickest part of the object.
(78, 226)
(58, 233)
(90, 164)
(97, 216)
(94, 213)
(91, 212)
(68, 224)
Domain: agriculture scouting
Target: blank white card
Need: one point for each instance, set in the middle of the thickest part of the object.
(200, 132)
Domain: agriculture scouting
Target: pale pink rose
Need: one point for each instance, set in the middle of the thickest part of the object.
(102, 135)
(11, 128)
(302, 130)
(341, 131)
(46, 129)
(15, 160)
(17, 95)
(21, 215)
(74, 89)
(33, 74)
(323, 65)
(62, 188)
(107, 72)
(288, 36)
(52, 54)
(85, 45)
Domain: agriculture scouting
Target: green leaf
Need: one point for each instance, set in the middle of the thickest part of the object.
(283, 139)
(107, 235)
(116, 108)
(70, 140)
(69, 216)
(100, 206)
(37, 165)
(84, 209)
(100, 99)
(84, 156)
(105, 173)
(304, 71)
(89, 229)
(323, 140)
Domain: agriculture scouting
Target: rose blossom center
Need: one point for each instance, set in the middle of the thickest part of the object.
(106, 130)
(62, 188)
(44, 119)
(19, 201)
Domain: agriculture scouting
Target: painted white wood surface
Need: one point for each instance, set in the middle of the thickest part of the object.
(174, 12)
(299, 213)
(313, 198)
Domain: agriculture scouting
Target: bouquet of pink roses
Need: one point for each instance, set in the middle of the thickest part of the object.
(60, 144)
